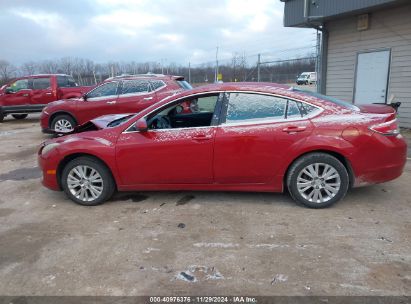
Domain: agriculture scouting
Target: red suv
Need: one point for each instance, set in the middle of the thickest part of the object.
(30, 94)
(122, 94)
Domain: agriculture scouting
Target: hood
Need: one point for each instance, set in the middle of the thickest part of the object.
(103, 122)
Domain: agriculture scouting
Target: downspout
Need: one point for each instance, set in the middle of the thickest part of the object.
(322, 88)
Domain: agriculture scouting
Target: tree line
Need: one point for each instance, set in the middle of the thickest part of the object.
(87, 72)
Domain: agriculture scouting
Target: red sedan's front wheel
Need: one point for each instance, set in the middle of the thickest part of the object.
(87, 181)
(317, 180)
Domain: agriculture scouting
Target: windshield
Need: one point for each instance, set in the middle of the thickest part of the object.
(337, 101)
(303, 76)
(184, 84)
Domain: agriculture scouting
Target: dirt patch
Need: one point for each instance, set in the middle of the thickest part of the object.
(24, 243)
(134, 197)
(6, 211)
(381, 276)
(20, 154)
(21, 174)
(185, 199)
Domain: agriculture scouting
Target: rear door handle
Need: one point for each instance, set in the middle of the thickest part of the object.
(294, 129)
(111, 102)
(148, 98)
(48, 93)
(25, 95)
(202, 137)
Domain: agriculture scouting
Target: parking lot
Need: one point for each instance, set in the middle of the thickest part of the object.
(195, 242)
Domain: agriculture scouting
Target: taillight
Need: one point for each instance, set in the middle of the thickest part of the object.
(387, 128)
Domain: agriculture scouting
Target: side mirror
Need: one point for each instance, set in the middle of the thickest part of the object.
(8, 90)
(141, 125)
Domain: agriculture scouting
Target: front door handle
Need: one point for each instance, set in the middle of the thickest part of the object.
(25, 95)
(202, 137)
(111, 102)
(294, 129)
(148, 98)
(48, 93)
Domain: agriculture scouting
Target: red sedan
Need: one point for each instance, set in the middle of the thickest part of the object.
(236, 136)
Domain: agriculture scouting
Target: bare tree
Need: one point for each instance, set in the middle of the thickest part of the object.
(28, 68)
(7, 71)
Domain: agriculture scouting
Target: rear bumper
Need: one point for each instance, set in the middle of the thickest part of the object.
(383, 161)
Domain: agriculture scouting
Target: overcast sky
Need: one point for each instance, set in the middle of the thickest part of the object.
(147, 30)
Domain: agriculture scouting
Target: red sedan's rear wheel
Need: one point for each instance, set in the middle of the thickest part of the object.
(317, 180)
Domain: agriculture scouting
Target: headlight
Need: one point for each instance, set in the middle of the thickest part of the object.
(48, 148)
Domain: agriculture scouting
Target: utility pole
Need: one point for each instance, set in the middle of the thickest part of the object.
(189, 72)
(258, 67)
(216, 66)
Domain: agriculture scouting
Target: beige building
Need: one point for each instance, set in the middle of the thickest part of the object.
(366, 48)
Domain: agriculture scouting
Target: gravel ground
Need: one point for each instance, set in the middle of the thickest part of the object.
(188, 243)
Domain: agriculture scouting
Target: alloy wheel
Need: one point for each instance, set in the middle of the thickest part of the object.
(85, 183)
(63, 126)
(318, 182)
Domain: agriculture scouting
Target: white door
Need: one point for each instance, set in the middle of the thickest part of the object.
(372, 77)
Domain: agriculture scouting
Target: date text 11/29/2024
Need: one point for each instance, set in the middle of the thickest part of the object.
(203, 299)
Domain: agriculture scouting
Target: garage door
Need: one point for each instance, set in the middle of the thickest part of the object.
(372, 77)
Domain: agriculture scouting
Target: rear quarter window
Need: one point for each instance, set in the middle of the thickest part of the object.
(157, 84)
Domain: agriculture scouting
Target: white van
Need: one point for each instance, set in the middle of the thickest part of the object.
(307, 78)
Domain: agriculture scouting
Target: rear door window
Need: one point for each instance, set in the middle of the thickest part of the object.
(131, 87)
(248, 107)
(41, 83)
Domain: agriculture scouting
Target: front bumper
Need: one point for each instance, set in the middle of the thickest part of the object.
(45, 123)
(49, 166)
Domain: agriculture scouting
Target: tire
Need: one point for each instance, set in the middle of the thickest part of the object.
(62, 124)
(103, 184)
(315, 191)
(1, 117)
(19, 116)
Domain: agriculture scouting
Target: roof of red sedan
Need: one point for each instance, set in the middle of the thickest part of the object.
(267, 87)
(243, 86)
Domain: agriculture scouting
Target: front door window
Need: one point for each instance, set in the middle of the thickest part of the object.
(22, 84)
